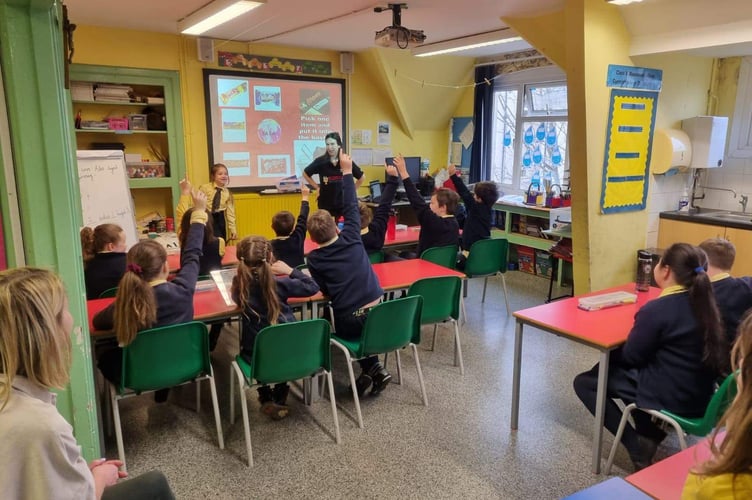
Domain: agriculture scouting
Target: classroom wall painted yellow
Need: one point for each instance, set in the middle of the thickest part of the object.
(373, 97)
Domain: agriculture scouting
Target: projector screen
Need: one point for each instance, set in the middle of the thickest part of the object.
(268, 127)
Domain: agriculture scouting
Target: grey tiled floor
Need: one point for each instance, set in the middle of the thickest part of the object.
(459, 446)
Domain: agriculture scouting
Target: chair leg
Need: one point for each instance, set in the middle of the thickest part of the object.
(458, 347)
(617, 439)
(420, 375)
(215, 403)
(244, 407)
(348, 359)
(232, 394)
(334, 407)
(118, 429)
(433, 342)
(463, 311)
(464, 287)
(399, 367)
(485, 284)
(506, 294)
(198, 396)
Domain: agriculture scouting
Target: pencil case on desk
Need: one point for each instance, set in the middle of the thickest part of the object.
(604, 300)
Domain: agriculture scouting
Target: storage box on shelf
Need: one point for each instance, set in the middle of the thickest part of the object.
(116, 105)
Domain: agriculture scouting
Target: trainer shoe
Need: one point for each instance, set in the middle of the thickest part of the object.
(381, 379)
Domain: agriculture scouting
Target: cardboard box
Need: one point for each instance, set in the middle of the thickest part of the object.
(526, 259)
(543, 263)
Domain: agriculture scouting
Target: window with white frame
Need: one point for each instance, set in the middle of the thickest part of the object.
(530, 129)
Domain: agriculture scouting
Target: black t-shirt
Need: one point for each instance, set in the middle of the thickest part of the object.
(330, 182)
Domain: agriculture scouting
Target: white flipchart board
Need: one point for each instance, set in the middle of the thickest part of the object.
(105, 193)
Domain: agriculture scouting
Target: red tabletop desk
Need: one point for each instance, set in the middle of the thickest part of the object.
(604, 330)
(401, 274)
(404, 237)
(665, 479)
(229, 259)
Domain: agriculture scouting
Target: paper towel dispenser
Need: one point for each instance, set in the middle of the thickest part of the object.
(671, 150)
(708, 137)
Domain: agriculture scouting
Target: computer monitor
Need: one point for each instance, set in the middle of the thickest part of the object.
(412, 164)
(375, 188)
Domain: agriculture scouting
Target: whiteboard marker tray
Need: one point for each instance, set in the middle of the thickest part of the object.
(604, 300)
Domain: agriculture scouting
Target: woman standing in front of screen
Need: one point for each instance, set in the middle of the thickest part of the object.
(330, 176)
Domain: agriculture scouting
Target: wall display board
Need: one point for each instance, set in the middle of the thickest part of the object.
(267, 127)
(105, 194)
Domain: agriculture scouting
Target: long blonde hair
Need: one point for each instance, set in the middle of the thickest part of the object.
(32, 341)
(255, 271)
(734, 454)
(135, 304)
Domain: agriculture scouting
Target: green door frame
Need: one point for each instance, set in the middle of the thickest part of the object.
(43, 145)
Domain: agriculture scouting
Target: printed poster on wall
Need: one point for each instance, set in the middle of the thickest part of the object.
(384, 137)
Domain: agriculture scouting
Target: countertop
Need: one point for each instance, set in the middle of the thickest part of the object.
(704, 216)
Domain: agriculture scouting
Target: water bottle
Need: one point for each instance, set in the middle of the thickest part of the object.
(644, 271)
(341, 223)
(391, 226)
(684, 201)
(424, 168)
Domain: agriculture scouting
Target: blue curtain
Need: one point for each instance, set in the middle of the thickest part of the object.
(480, 156)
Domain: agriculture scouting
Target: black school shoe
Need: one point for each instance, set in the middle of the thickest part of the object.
(644, 458)
(380, 377)
(362, 383)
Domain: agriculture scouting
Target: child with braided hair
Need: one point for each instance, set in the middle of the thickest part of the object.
(145, 299)
(261, 288)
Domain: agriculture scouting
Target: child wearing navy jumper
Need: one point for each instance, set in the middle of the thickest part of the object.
(261, 288)
(438, 227)
(672, 357)
(733, 295)
(373, 224)
(104, 258)
(479, 207)
(289, 244)
(145, 299)
(341, 268)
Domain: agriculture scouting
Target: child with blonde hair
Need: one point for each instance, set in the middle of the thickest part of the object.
(261, 288)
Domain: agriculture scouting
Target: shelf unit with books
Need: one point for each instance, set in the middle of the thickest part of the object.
(130, 92)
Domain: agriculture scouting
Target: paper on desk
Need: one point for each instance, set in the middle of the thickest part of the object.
(223, 279)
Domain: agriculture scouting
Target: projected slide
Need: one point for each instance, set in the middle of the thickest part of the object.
(267, 127)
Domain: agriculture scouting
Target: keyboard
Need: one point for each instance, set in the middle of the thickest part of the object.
(604, 300)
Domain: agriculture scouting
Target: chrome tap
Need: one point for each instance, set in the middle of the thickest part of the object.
(743, 202)
(718, 189)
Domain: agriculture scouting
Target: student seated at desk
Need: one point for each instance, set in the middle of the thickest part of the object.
(39, 456)
(672, 357)
(261, 288)
(288, 245)
(104, 258)
(341, 268)
(145, 299)
(479, 208)
(438, 227)
(373, 224)
(728, 474)
(733, 295)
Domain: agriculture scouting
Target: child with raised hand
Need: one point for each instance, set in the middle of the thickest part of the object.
(220, 202)
(672, 357)
(341, 268)
(438, 227)
(728, 474)
(104, 258)
(479, 207)
(733, 295)
(289, 244)
(39, 456)
(373, 224)
(261, 288)
(145, 299)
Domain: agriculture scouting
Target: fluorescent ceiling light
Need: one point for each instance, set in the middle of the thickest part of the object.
(467, 43)
(215, 13)
(622, 2)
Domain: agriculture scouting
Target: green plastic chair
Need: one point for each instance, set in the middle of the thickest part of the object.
(164, 357)
(281, 353)
(110, 292)
(376, 257)
(443, 256)
(390, 326)
(488, 258)
(441, 303)
(700, 426)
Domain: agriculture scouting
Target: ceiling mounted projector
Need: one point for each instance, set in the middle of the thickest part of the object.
(396, 35)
